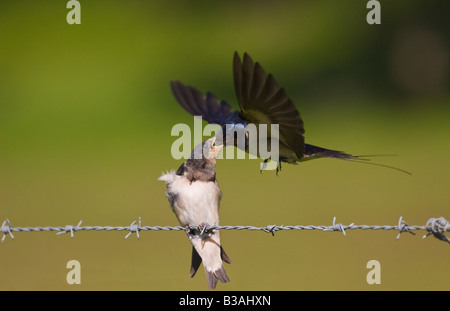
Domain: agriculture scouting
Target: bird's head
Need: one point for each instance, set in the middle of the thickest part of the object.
(210, 150)
(207, 150)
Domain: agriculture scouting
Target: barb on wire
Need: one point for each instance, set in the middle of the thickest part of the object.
(134, 229)
(339, 227)
(6, 229)
(437, 227)
(403, 227)
(71, 229)
(434, 226)
(271, 229)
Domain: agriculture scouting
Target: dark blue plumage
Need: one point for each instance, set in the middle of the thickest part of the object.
(261, 101)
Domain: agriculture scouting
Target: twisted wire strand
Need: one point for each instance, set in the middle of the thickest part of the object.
(434, 226)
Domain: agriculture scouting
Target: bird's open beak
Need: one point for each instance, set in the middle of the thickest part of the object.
(215, 149)
(213, 141)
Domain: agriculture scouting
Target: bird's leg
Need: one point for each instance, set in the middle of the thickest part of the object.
(200, 230)
(278, 167)
(263, 167)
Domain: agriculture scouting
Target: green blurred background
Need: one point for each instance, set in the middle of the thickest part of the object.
(85, 119)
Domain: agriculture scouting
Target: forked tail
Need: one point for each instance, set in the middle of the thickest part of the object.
(314, 152)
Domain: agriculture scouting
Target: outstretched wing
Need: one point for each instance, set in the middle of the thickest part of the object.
(197, 104)
(262, 101)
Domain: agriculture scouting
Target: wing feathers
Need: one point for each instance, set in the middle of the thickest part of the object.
(197, 104)
(262, 101)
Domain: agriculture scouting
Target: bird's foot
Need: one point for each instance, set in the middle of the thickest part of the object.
(278, 167)
(202, 227)
(197, 230)
(188, 230)
(263, 166)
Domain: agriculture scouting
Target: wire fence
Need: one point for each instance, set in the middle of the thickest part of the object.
(434, 226)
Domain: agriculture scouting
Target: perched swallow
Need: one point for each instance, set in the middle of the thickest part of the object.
(261, 101)
(194, 197)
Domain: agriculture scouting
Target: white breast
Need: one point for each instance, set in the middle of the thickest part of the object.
(193, 203)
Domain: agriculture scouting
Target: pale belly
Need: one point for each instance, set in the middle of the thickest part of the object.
(197, 203)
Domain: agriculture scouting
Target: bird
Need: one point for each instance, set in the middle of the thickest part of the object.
(261, 101)
(194, 196)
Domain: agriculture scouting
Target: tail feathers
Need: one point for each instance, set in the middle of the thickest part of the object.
(214, 276)
(314, 152)
(319, 152)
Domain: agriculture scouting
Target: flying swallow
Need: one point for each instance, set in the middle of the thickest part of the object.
(194, 197)
(261, 101)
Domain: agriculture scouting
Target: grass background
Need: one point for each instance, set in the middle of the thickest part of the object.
(85, 119)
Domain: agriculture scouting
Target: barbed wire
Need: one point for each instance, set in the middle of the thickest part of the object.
(434, 226)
